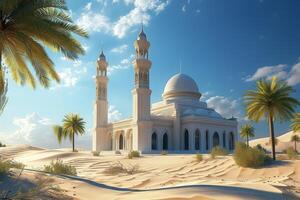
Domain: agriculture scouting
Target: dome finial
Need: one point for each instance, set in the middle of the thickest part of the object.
(142, 34)
(102, 56)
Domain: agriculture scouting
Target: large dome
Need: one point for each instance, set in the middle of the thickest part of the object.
(181, 86)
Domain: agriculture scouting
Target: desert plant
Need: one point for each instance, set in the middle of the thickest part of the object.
(295, 139)
(164, 153)
(259, 147)
(270, 100)
(245, 156)
(218, 151)
(73, 125)
(246, 132)
(59, 167)
(296, 122)
(6, 165)
(119, 168)
(96, 153)
(135, 154)
(199, 157)
(26, 27)
(2, 145)
(291, 153)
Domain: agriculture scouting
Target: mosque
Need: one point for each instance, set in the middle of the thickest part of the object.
(178, 123)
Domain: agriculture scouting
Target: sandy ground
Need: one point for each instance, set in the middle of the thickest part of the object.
(162, 177)
(283, 142)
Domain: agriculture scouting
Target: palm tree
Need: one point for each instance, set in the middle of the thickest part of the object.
(296, 122)
(72, 125)
(26, 26)
(270, 100)
(295, 139)
(3, 97)
(246, 132)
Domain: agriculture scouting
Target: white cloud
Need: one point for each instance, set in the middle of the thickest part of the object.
(94, 22)
(123, 65)
(294, 75)
(88, 6)
(113, 114)
(266, 72)
(280, 71)
(141, 12)
(225, 106)
(35, 130)
(120, 49)
(70, 76)
(183, 8)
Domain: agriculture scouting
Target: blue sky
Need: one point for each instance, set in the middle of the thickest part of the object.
(224, 45)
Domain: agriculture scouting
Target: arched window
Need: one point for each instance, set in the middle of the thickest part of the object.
(154, 141)
(231, 141)
(216, 140)
(207, 139)
(186, 140)
(121, 142)
(224, 139)
(165, 141)
(197, 140)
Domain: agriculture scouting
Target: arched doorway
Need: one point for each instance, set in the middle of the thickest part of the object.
(197, 140)
(216, 141)
(207, 140)
(186, 140)
(154, 141)
(231, 141)
(121, 142)
(165, 141)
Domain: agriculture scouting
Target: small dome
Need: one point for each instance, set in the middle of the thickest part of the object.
(102, 56)
(142, 35)
(181, 86)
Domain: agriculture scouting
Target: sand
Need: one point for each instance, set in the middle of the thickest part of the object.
(161, 177)
(283, 142)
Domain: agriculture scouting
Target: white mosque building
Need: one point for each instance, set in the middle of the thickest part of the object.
(178, 123)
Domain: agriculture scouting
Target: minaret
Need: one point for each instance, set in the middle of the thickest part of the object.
(101, 141)
(141, 94)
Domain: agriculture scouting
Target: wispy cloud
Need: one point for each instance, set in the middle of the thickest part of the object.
(120, 49)
(281, 71)
(113, 114)
(141, 12)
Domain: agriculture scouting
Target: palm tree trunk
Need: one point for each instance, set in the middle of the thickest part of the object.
(271, 129)
(73, 142)
(295, 145)
(247, 141)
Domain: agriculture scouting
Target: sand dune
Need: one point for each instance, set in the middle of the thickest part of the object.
(284, 141)
(163, 177)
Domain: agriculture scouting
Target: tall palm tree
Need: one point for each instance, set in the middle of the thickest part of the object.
(26, 26)
(246, 132)
(270, 100)
(72, 125)
(296, 122)
(295, 139)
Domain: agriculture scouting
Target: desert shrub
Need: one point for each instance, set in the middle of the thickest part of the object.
(119, 168)
(291, 153)
(259, 147)
(117, 152)
(75, 150)
(218, 151)
(95, 153)
(199, 157)
(249, 157)
(2, 145)
(164, 153)
(133, 154)
(58, 167)
(6, 165)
